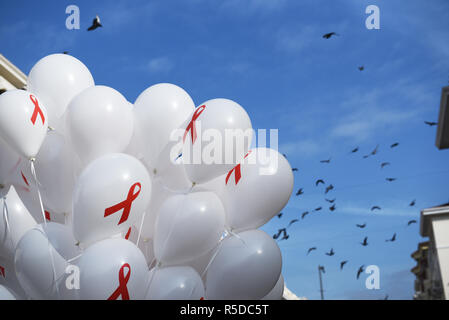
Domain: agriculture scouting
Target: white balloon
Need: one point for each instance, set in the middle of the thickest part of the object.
(56, 79)
(277, 292)
(257, 190)
(216, 138)
(55, 164)
(158, 111)
(9, 279)
(188, 226)
(246, 267)
(175, 283)
(99, 121)
(6, 294)
(9, 163)
(15, 221)
(62, 239)
(34, 260)
(23, 121)
(110, 195)
(113, 269)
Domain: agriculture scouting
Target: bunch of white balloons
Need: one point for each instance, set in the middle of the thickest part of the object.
(96, 207)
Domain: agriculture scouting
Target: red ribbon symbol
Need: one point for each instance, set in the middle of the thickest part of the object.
(47, 215)
(125, 205)
(24, 179)
(191, 127)
(2, 271)
(122, 289)
(128, 233)
(37, 110)
(237, 172)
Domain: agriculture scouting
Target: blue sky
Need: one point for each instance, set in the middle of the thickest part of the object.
(269, 56)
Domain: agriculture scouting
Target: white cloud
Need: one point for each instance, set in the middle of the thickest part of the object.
(160, 65)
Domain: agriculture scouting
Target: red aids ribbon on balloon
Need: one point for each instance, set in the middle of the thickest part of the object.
(47, 215)
(237, 171)
(122, 289)
(125, 205)
(2, 271)
(128, 233)
(24, 179)
(37, 110)
(191, 127)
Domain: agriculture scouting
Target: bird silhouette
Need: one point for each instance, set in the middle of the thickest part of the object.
(390, 179)
(329, 35)
(412, 203)
(285, 237)
(365, 242)
(318, 182)
(430, 123)
(342, 264)
(361, 68)
(355, 150)
(329, 188)
(283, 230)
(304, 214)
(361, 226)
(300, 191)
(394, 145)
(332, 208)
(280, 215)
(310, 250)
(292, 222)
(392, 239)
(375, 208)
(411, 222)
(294, 169)
(375, 150)
(366, 156)
(321, 268)
(359, 272)
(383, 164)
(318, 209)
(285, 156)
(331, 201)
(65, 52)
(330, 253)
(326, 161)
(95, 23)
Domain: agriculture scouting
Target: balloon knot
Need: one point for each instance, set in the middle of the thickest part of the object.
(32, 159)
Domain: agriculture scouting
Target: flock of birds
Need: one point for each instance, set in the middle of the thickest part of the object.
(282, 233)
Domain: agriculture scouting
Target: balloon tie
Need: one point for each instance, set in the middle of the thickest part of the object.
(33, 172)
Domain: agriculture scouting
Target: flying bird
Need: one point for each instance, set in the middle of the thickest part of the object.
(330, 253)
(330, 34)
(365, 242)
(392, 239)
(318, 209)
(283, 230)
(318, 182)
(394, 145)
(280, 215)
(95, 24)
(332, 208)
(285, 237)
(361, 269)
(65, 52)
(361, 226)
(292, 222)
(294, 169)
(430, 123)
(331, 201)
(299, 192)
(375, 150)
(329, 188)
(304, 214)
(355, 150)
(411, 222)
(361, 68)
(412, 203)
(390, 179)
(310, 250)
(383, 164)
(366, 156)
(342, 264)
(326, 161)
(375, 208)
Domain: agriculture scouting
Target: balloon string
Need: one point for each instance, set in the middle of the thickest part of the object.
(6, 217)
(218, 248)
(33, 172)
